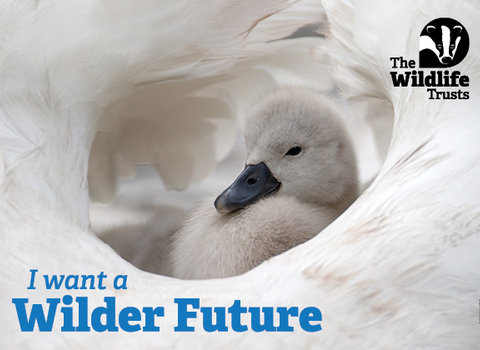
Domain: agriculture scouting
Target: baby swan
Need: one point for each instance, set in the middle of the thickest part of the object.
(300, 175)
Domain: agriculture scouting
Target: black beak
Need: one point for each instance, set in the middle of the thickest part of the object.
(255, 182)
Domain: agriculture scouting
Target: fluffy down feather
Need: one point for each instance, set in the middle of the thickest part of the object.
(316, 186)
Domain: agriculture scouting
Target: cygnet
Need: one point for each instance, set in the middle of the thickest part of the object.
(300, 175)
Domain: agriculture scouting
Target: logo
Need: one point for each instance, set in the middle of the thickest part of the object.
(444, 43)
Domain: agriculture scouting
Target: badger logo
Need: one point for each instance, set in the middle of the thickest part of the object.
(444, 43)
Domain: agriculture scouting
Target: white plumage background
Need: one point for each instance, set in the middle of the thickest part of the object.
(166, 83)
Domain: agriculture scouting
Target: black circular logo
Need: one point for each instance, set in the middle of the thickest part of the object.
(444, 43)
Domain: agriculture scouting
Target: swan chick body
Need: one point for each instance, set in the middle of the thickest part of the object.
(300, 175)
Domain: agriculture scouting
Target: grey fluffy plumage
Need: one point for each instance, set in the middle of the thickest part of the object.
(317, 185)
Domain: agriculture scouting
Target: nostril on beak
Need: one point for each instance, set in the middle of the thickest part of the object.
(252, 180)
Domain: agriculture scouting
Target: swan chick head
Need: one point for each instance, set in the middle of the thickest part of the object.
(297, 145)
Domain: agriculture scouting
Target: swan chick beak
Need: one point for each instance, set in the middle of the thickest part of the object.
(255, 182)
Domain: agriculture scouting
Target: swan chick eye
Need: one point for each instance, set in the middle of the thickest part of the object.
(294, 151)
